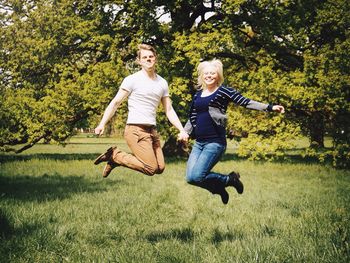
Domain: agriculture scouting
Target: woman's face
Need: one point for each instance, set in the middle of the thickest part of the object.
(210, 76)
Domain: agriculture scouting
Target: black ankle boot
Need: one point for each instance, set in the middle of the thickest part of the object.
(235, 182)
(224, 196)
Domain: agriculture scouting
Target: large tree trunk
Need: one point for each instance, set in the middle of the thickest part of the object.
(317, 130)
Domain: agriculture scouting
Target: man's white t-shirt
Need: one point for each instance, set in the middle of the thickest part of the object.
(144, 98)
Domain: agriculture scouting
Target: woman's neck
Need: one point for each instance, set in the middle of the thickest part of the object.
(209, 90)
(212, 88)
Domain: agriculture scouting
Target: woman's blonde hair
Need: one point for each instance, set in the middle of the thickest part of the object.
(217, 64)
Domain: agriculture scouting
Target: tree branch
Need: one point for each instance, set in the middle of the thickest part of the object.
(33, 142)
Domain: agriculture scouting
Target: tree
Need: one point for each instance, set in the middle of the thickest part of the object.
(288, 52)
(62, 62)
(58, 67)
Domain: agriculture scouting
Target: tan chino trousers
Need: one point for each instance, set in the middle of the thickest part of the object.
(144, 142)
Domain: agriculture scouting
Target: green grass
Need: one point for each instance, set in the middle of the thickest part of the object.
(56, 207)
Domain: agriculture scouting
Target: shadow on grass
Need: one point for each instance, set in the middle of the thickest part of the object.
(48, 187)
(187, 235)
(288, 158)
(24, 188)
(48, 156)
(13, 238)
(184, 235)
(291, 159)
(91, 157)
(5, 226)
(219, 236)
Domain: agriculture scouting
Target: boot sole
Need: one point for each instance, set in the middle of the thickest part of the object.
(224, 197)
(104, 174)
(98, 159)
(238, 185)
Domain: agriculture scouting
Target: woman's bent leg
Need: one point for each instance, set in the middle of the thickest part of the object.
(202, 159)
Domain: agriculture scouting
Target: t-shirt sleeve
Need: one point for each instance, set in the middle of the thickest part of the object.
(127, 83)
(165, 89)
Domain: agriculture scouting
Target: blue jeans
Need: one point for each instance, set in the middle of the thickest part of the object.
(203, 157)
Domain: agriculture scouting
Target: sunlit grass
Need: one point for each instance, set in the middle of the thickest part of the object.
(56, 207)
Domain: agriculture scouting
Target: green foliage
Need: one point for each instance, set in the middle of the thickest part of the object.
(58, 70)
(341, 156)
(61, 62)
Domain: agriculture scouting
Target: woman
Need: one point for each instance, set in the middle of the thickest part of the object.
(207, 124)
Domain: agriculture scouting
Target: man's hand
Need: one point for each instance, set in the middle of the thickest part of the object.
(182, 136)
(99, 130)
(278, 108)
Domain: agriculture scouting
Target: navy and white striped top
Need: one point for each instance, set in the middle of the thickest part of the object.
(217, 109)
(206, 129)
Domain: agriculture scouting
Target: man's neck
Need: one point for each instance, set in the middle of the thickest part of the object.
(151, 73)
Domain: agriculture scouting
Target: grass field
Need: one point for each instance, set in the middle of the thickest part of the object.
(56, 207)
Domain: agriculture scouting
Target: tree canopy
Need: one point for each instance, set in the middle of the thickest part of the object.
(61, 62)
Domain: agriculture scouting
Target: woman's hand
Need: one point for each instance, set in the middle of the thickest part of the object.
(182, 136)
(278, 108)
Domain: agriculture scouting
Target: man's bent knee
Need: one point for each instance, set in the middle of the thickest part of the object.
(160, 169)
(150, 170)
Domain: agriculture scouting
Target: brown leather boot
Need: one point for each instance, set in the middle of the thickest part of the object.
(105, 157)
(108, 168)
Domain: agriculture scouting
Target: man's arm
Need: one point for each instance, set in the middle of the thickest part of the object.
(111, 109)
(173, 118)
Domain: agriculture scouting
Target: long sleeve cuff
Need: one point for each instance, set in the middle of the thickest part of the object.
(269, 107)
(255, 105)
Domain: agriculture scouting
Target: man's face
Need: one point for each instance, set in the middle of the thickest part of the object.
(147, 59)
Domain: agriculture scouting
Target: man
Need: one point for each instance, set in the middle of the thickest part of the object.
(145, 90)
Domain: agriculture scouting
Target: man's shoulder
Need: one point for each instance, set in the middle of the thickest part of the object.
(136, 74)
(132, 79)
(162, 80)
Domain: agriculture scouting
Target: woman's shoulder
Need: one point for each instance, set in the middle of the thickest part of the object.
(197, 93)
(227, 89)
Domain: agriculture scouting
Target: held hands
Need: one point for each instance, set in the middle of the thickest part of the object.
(182, 136)
(278, 108)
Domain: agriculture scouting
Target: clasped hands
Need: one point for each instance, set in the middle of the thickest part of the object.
(183, 136)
